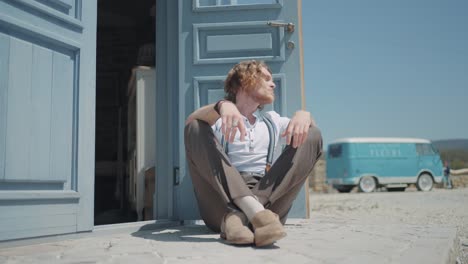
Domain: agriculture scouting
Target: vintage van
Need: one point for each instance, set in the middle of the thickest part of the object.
(394, 163)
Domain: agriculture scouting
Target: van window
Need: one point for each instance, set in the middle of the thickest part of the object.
(335, 151)
(424, 149)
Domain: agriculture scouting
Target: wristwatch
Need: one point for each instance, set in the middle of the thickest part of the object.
(218, 105)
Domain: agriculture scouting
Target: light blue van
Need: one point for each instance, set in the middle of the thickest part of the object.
(393, 163)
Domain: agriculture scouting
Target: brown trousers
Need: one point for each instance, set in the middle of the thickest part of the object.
(217, 183)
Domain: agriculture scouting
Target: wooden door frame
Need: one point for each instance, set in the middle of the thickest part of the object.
(167, 81)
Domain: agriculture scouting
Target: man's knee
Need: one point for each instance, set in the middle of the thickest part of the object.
(196, 128)
(315, 138)
(311, 148)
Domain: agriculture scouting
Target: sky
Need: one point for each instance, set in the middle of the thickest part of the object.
(395, 68)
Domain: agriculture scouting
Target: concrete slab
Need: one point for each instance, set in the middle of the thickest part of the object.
(322, 239)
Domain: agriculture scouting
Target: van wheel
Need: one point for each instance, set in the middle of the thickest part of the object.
(425, 182)
(367, 184)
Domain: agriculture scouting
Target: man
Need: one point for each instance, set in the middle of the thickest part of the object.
(447, 180)
(238, 194)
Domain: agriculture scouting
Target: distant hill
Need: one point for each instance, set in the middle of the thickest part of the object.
(453, 150)
(451, 144)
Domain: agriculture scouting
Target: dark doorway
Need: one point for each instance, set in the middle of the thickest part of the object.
(125, 39)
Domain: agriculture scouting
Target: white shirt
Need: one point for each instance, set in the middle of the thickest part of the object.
(251, 154)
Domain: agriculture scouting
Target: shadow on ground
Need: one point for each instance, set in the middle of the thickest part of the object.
(189, 233)
(185, 233)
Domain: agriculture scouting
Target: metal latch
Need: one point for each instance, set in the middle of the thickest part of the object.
(288, 26)
(176, 175)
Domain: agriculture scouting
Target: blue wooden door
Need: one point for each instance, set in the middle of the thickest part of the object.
(213, 36)
(47, 106)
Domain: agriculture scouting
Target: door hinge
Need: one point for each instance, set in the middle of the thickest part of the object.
(176, 175)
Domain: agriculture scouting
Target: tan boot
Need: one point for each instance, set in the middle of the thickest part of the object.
(234, 229)
(268, 228)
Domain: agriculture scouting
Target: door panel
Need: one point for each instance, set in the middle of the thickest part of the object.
(236, 41)
(219, 5)
(46, 117)
(213, 36)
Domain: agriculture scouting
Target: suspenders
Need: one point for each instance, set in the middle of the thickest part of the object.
(271, 146)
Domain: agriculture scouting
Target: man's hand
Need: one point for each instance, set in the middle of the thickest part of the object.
(233, 121)
(298, 128)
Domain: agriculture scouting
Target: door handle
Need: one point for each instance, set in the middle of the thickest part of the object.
(288, 26)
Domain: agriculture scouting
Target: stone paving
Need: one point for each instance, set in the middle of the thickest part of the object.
(321, 239)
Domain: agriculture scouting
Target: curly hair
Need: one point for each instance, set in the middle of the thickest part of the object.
(243, 76)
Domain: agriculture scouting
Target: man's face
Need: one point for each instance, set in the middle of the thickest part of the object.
(264, 92)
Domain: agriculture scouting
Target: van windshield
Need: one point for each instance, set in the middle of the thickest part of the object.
(334, 151)
(424, 149)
